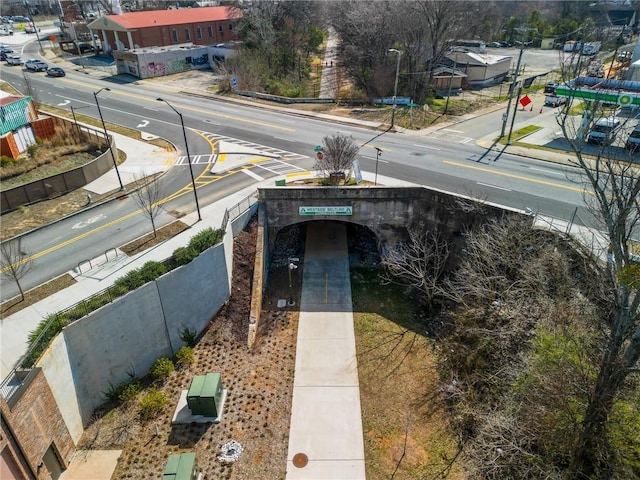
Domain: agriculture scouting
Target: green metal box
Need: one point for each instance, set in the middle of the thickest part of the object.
(211, 395)
(193, 394)
(204, 396)
(181, 467)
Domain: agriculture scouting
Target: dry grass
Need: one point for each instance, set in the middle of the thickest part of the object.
(404, 424)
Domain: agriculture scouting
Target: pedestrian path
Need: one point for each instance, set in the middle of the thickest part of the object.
(329, 87)
(325, 436)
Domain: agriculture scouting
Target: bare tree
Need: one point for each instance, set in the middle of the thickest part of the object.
(147, 194)
(338, 153)
(15, 262)
(420, 262)
(613, 187)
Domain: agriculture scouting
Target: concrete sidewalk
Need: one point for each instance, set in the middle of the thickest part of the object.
(325, 435)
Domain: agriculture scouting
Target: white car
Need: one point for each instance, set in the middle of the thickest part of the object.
(36, 65)
(14, 60)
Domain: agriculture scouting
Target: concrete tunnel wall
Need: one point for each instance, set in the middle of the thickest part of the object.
(386, 211)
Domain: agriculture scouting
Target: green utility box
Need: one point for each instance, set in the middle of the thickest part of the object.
(204, 396)
(281, 183)
(181, 467)
(193, 394)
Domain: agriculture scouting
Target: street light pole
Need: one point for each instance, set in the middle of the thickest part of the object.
(186, 146)
(395, 87)
(378, 153)
(106, 135)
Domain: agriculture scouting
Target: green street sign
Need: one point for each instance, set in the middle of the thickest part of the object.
(339, 210)
(317, 148)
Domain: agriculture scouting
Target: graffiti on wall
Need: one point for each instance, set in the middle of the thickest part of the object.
(132, 68)
(156, 69)
(199, 61)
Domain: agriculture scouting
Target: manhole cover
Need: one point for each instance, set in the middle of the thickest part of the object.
(300, 460)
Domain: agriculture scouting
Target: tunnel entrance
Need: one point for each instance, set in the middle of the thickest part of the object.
(286, 262)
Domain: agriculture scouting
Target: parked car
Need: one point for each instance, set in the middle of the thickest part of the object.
(554, 100)
(494, 45)
(19, 19)
(550, 88)
(4, 30)
(55, 72)
(85, 47)
(505, 44)
(6, 49)
(604, 131)
(14, 60)
(36, 65)
(633, 142)
(31, 28)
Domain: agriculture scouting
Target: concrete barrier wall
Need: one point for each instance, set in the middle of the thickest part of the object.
(191, 297)
(58, 366)
(127, 336)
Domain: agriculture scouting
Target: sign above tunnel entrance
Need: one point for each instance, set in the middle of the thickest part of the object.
(334, 210)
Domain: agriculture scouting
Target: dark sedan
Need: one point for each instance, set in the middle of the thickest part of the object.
(55, 72)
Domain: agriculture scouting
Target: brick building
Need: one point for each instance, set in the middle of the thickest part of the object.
(163, 28)
(34, 439)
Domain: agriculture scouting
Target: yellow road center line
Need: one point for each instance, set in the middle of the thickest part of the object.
(518, 177)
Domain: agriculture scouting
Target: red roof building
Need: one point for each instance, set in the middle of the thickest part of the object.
(159, 28)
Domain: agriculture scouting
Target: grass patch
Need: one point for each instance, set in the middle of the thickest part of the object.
(520, 133)
(398, 386)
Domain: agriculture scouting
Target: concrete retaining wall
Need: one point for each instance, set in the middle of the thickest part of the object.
(127, 336)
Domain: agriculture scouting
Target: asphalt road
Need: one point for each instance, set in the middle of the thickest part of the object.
(446, 158)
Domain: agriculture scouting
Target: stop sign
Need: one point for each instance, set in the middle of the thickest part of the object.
(320, 155)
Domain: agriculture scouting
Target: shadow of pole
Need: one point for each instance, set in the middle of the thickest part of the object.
(491, 149)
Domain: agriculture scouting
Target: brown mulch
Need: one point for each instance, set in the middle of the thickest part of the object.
(258, 406)
(152, 239)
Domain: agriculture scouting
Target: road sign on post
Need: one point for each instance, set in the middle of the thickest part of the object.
(320, 155)
(317, 148)
(234, 82)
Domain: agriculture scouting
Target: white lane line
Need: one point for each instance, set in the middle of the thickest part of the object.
(426, 146)
(493, 186)
(252, 174)
(373, 158)
(451, 130)
(545, 171)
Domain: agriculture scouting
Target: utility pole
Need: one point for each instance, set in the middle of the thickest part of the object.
(523, 44)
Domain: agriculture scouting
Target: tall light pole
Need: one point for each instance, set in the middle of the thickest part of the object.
(378, 153)
(186, 146)
(395, 87)
(106, 135)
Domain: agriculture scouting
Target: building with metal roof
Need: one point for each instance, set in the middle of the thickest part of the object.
(163, 28)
